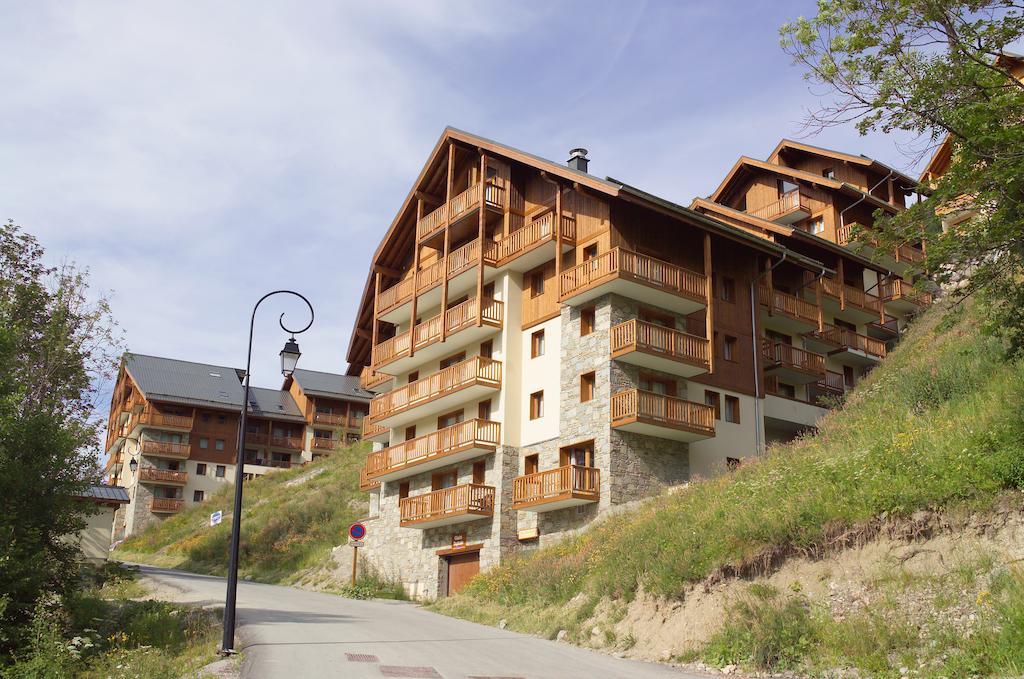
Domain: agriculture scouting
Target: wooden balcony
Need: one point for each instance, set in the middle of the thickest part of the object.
(321, 443)
(635, 276)
(165, 505)
(177, 451)
(787, 312)
(365, 482)
(374, 432)
(846, 345)
(792, 364)
(168, 477)
(659, 348)
(257, 438)
(833, 385)
(849, 302)
(443, 447)
(532, 245)
(469, 380)
(458, 208)
(791, 207)
(901, 258)
(152, 418)
(286, 442)
(557, 488)
(667, 417)
(447, 506)
(901, 297)
(336, 420)
(374, 381)
(459, 323)
(887, 330)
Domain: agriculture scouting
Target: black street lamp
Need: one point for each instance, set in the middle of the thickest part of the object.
(289, 358)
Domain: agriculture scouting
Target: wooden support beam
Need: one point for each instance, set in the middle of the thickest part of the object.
(376, 297)
(480, 255)
(415, 284)
(769, 283)
(817, 300)
(428, 197)
(841, 280)
(709, 315)
(387, 271)
(558, 240)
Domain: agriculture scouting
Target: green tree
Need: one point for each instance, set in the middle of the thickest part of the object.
(934, 68)
(56, 346)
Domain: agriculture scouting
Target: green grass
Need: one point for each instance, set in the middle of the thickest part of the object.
(287, 528)
(937, 426)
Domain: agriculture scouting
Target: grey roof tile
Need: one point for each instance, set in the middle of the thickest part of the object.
(318, 383)
(168, 379)
(112, 494)
(273, 403)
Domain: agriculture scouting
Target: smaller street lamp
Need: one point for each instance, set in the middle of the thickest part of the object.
(133, 465)
(289, 357)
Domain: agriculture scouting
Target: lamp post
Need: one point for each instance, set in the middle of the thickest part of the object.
(289, 358)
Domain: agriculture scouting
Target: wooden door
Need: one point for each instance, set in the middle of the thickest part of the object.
(461, 569)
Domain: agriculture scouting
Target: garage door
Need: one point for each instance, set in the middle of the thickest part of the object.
(461, 569)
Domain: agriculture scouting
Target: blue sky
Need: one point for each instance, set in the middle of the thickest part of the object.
(197, 155)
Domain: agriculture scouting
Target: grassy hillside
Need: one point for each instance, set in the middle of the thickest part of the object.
(938, 426)
(290, 521)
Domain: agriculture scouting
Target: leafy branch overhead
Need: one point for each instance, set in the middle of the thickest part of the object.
(943, 70)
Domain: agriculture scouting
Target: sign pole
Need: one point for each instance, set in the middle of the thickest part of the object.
(355, 560)
(356, 533)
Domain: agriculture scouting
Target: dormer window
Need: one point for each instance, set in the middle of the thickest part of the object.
(828, 173)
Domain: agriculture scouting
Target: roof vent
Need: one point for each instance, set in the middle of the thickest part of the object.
(578, 160)
(214, 374)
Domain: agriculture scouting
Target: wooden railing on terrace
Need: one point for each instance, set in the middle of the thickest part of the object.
(440, 443)
(631, 265)
(369, 379)
(165, 448)
(556, 484)
(844, 337)
(635, 404)
(429, 331)
(166, 504)
(852, 295)
(792, 357)
(365, 483)
(895, 288)
(322, 443)
(469, 498)
(334, 419)
(904, 252)
(371, 430)
(785, 303)
(289, 442)
(154, 475)
(457, 206)
(475, 370)
(158, 419)
(537, 231)
(788, 202)
(636, 335)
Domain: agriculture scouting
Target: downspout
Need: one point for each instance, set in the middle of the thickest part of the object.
(758, 417)
(842, 222)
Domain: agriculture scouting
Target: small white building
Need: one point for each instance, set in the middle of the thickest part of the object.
(95, 538)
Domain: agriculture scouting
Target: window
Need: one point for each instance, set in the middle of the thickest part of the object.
(713, 399)
(531, 464)
(588, 318)
(483, 410)
(452, 360)
(487, 349)
(657, 385)
(732, 463)
(536, 405)
(728, 291)
(785, 186)
(590, 252)
(441, 480)
(197, 496)
(200, 469)
(828, 173)
(732, 409)
(205, 417)
(221, 419)
(729, 348)
(848, 377)
(787, 390)
(657, 318)
(587, 382)
(204, 442)
(479, 470)
(413, 376)
(537, 344)
(321, 434)
(816, 226)
(536, 284)
(221, 471)
(219, 444)
(410, 432)
(449, 419)
(403, 490)
(580, 454)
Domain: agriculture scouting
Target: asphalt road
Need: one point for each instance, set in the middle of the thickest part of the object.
(294, 634)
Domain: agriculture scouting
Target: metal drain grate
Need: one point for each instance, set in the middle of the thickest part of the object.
(416, 672)
(361, 657)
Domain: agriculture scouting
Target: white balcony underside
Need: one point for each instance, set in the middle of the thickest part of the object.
(449, 520)
(556, 504)
(850, 313)
(662, 432)
(446, 403)
(785, 410)
(654, 361)
(431, 299)
(851, 356)
(639, 291)
(793, 375)
(786, 324)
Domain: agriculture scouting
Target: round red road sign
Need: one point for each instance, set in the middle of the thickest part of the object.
(357, 531)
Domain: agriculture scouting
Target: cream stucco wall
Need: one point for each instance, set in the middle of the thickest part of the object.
(94, 540)
(708, 457)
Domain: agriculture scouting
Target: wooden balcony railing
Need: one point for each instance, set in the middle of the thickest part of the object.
(787, 203)
(166, 504)
(844, 337)
(833, 382)
(279, 464)
(789, 356)
(154, 418)
(646, 406)
(368, 379)
(165, 448)
(438, 444)
(910, 254)
(619, 263)
(636, 335)
(365, 482)
(904, 252)
(554, 485)
(332, 419)
(476, 370)
(468, 499)
(322, 443)
(288, 442)
(154, 475)
(790, 305)
(457, 206)
(539, 230)
(892, 289)
(852, 295)
(428, 332)
(257, 438)
(371, 430)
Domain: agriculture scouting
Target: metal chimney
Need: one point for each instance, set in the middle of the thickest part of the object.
(578, 160)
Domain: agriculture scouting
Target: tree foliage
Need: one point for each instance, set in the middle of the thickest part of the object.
(56, 346)
(934, 68)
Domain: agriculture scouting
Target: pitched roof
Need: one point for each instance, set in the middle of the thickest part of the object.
(198, 384)
(330, 385)
(273, 403)
(859, 159)
(114, 495)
